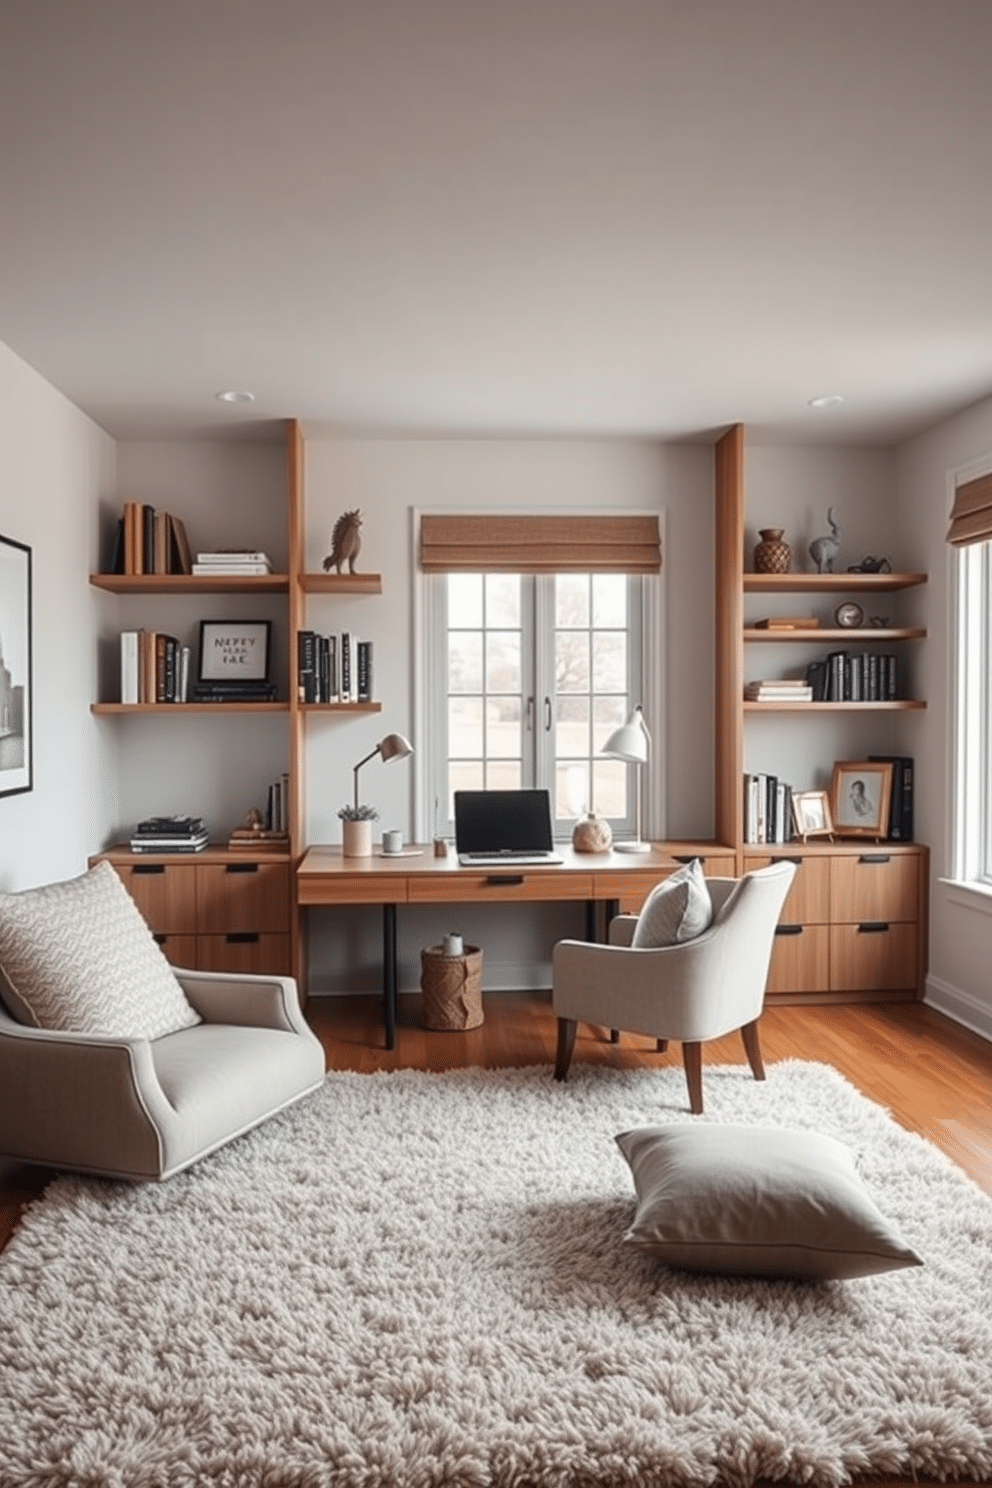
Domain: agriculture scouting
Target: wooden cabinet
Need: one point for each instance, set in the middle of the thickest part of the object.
(213, 911)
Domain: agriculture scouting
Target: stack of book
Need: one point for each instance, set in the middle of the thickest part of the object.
(154, 667)
(150, 542)
(333, 669)
(233, 692)
(788, 622)
(231, 561)
(779, 690)
(169, 834)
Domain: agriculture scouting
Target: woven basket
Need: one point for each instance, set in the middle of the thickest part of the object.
(451, 988)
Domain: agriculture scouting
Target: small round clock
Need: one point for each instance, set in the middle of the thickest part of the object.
(849, 615)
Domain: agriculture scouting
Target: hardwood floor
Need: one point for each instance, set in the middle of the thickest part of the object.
(935, 1077)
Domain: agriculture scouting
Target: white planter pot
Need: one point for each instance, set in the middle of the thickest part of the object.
(357, 839)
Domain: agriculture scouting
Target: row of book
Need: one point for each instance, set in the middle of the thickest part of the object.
(900, 824)
(868, 677)
(150, 541)
(767, 808)
(169, 834)
(333, 668)
(154, 667)
(277, 805)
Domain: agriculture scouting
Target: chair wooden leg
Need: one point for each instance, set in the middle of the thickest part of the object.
(692, 1058)
(614, 1035)
(752, 1047)
(566, 1042)
(661, 1045)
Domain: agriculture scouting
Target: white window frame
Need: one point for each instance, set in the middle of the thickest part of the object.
(429, 703)
(971, 809)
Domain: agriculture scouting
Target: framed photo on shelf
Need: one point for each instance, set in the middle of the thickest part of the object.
(811, 814)
(860, 791)
(16, 735)
(234, 650)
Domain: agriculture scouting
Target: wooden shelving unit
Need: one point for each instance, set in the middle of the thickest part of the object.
(191, 583)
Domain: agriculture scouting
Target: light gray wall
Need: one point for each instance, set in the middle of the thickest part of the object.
(960, 921)
(56, 469)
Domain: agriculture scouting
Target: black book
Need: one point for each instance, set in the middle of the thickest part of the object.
(816, 676)
(901, 806)
(364, 669)
(306, 669)
(147, 539)
(323, 669)
(117, 552)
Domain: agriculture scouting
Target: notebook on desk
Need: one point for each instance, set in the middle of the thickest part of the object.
(498, 827)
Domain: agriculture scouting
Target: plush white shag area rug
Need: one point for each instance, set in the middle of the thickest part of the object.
(414, 1280)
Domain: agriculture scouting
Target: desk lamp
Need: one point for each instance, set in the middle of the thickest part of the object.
(392, 747)
(632, 744)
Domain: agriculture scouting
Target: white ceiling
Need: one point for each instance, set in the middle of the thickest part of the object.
(647, 217)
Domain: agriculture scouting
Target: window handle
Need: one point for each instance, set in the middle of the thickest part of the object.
(547, 715)
(530, 715)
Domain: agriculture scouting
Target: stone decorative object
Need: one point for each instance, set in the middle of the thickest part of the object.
(592, 834)
(772, 555)
(346, 541)
(823, 550)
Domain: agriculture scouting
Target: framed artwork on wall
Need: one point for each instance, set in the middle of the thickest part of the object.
(16, 735)
(859, 797)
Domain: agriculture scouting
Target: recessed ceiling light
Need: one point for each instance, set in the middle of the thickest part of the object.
(826, 400)
(235, 395)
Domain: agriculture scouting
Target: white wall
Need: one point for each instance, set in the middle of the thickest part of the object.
(960, 922)
(56, 468)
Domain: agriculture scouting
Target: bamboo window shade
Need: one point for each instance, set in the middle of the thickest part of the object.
(477, 543)
(971, 515)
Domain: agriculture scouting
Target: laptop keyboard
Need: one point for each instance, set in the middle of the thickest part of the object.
(517, 859)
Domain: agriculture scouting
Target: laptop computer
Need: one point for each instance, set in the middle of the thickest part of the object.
(496, 827)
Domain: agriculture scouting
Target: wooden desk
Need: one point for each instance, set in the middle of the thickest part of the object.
(621, 880)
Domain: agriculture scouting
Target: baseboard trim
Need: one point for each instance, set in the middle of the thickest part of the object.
(961, 1006)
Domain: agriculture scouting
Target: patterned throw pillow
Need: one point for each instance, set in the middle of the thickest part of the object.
(79, 957)
(677, 909)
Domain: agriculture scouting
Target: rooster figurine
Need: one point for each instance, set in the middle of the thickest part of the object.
(346, 541)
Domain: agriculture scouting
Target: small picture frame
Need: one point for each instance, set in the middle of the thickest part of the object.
(234, 650)
(860, 791)
(811, 814)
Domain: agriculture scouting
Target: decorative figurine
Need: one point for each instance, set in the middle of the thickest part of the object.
(346, 541)
(871, 565)
(823, 550)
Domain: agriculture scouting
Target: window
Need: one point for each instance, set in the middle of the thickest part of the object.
(973, 687)
(528, 674)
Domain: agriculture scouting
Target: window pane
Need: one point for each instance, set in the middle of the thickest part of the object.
(571, 789)
(609, 661)
(465, 598)
(464, 661)
(609, 600)
(503, 775)
(503, 661)
(465, 727)
(608, 713)
(572, 737)
(502, 600)
(572, 661)
(572, 600)
(609, 779)
(462, 775)
(503, 735)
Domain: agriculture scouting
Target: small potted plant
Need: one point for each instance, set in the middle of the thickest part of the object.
(356, 830)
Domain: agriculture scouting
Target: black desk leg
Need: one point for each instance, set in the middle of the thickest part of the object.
(389, 972)
(590, 919)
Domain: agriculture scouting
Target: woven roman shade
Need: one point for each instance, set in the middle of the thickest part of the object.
(476, 543)
(971, 516)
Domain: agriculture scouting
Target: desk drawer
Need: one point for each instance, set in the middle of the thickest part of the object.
(499, 885)
(351, 888)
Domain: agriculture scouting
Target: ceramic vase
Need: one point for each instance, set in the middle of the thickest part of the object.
(592, 834)
(356, 837)
(772, 555)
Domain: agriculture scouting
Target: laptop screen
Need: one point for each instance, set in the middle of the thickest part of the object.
(492, 821)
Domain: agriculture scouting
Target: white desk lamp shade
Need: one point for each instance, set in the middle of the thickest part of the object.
(392, 747)
(632, 744)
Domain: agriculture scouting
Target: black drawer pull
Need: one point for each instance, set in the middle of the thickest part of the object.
(159, 938)
(504, 878)
(788, 929)
(873, 927)
(875, 858)
(148, 868)
(689, 857)
(240, 867)
(242, 937)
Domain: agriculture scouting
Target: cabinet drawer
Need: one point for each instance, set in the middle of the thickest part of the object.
(800, 958)
(164, 892)
(808, 900)
(243, 951)
(874, 885)
(178, 950)
(501, 885)
(242, 896)
(873, 956)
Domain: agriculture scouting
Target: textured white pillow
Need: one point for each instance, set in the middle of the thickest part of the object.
(677, 909)
(78, 956)
(756, 1201)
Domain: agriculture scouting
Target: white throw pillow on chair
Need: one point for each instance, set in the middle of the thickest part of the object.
(676, 910)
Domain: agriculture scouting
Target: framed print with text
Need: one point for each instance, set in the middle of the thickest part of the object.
(16, 741)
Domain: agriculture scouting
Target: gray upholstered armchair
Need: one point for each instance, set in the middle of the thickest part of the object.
(693, 991)
(144, 1108)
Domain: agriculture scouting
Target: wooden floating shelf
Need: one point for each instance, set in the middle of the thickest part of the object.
(191, 583)
(340, 707)
(346, 583)
(831, 583)
(899, 705)
(178, 709)
(865, 634)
